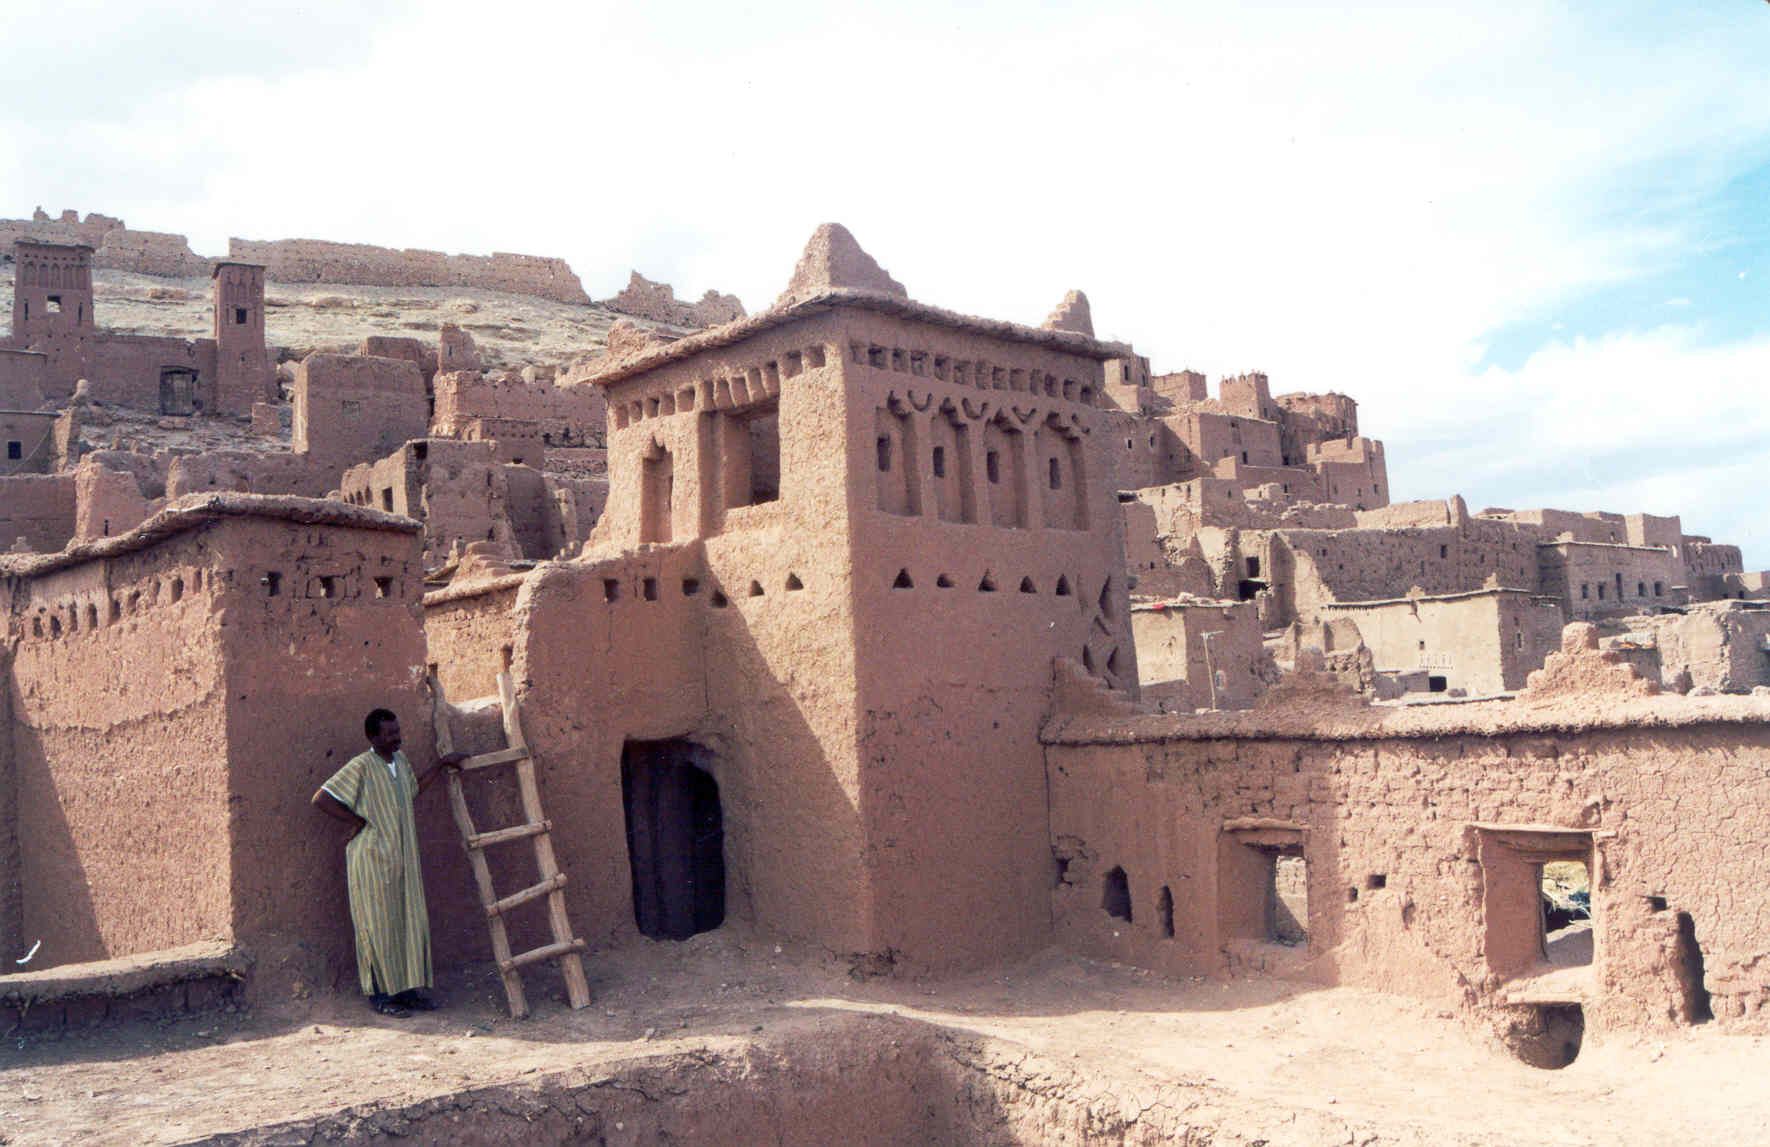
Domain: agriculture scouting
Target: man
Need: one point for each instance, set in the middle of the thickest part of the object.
(374, 792)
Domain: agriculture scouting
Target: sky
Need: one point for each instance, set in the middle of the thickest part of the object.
(1531, 239)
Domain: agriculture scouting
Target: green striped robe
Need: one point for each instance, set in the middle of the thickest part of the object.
(386, 883)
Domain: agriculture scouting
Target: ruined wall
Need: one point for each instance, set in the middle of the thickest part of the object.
(1483, 642)
(457, 489)
(1391, 813)
(1721, 646)
(657, 301)
(355, 408)
(27, 443)
(471, 632)
(38, 508)
(564, 415)
(115, 247)
(22, 376)
(109, 497)
(1199, 654)
(319, 261)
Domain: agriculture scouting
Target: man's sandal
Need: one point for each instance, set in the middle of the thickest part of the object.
(387, 1007)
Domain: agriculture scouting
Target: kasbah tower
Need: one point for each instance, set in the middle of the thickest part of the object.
(853, 535)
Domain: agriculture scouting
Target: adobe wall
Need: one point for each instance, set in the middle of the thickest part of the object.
(108, 494)
(1004, 576)
(38, 508)
(27, 442)
(320, 261)
(457, 489)
(224, 655)
(1199, 654)
(13, 945)
(341, 634)
(22, 377)
(566, 415)
(471, 631)
(1326, 566)
(119, 737)
(1403, 892)
(1481, 643)
(355, 408)
(240, 471)
(657, 301)
(773, 700)
(1601, 580)
(1720, 645)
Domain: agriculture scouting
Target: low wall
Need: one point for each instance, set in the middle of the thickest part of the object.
(1396, 812)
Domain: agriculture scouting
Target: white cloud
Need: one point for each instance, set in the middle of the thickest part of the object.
(1678, 302)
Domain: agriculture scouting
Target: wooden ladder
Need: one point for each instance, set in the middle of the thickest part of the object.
(565, 947)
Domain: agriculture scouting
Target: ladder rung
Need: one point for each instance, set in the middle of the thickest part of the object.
(564, 947)
(532, 892)
(499, 836)
(501, 757)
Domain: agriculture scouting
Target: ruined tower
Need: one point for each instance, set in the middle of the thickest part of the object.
(243, 372)
(52, 291)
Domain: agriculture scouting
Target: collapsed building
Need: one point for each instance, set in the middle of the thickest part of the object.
(851, 654)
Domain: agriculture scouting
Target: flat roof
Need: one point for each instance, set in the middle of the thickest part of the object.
(826, 301)
(194, 511)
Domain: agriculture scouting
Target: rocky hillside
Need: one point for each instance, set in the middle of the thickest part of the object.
(511, 330)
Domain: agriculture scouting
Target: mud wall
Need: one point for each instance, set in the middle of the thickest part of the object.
(119, 737)
(324, 624)
(38, 508)
(355, 408)
(1389, 812)
(987, 544)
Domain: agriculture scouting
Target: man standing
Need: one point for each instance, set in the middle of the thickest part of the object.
(374, 792)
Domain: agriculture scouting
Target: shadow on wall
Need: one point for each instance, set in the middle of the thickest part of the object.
(55, 898)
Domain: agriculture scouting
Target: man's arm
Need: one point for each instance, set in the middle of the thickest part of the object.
(448, 761)
(337, 810)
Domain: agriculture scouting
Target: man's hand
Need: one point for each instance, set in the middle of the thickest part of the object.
(451, 761)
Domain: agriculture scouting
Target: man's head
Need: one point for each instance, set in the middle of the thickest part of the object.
(382, 728)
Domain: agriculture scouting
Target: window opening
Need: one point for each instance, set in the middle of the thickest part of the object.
(1115, 895)
(1164, 910)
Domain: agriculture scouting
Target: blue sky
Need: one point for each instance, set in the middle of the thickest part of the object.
(1515, 233)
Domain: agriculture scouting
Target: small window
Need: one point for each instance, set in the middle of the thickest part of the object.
(1658, 588)
(1585, 590)
(1444, 551)
(383, 587)
(1056, 475)
(15, 450)
(1640, 589)
(239, 316)
(992, 466)
(884, 448)
(54, 304)
(938, 455)
(387, 498)
(648, 588)
(611, 589)
(328, 587)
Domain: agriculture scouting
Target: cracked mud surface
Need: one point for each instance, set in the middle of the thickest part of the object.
(726, 1039)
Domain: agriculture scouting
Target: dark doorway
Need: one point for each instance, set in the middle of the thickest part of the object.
(675, 839)
(178, 391)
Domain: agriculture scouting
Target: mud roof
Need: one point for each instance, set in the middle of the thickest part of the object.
(834, 299)
(197, 510)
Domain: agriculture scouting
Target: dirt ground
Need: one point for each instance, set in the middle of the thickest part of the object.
(1396, 1070)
